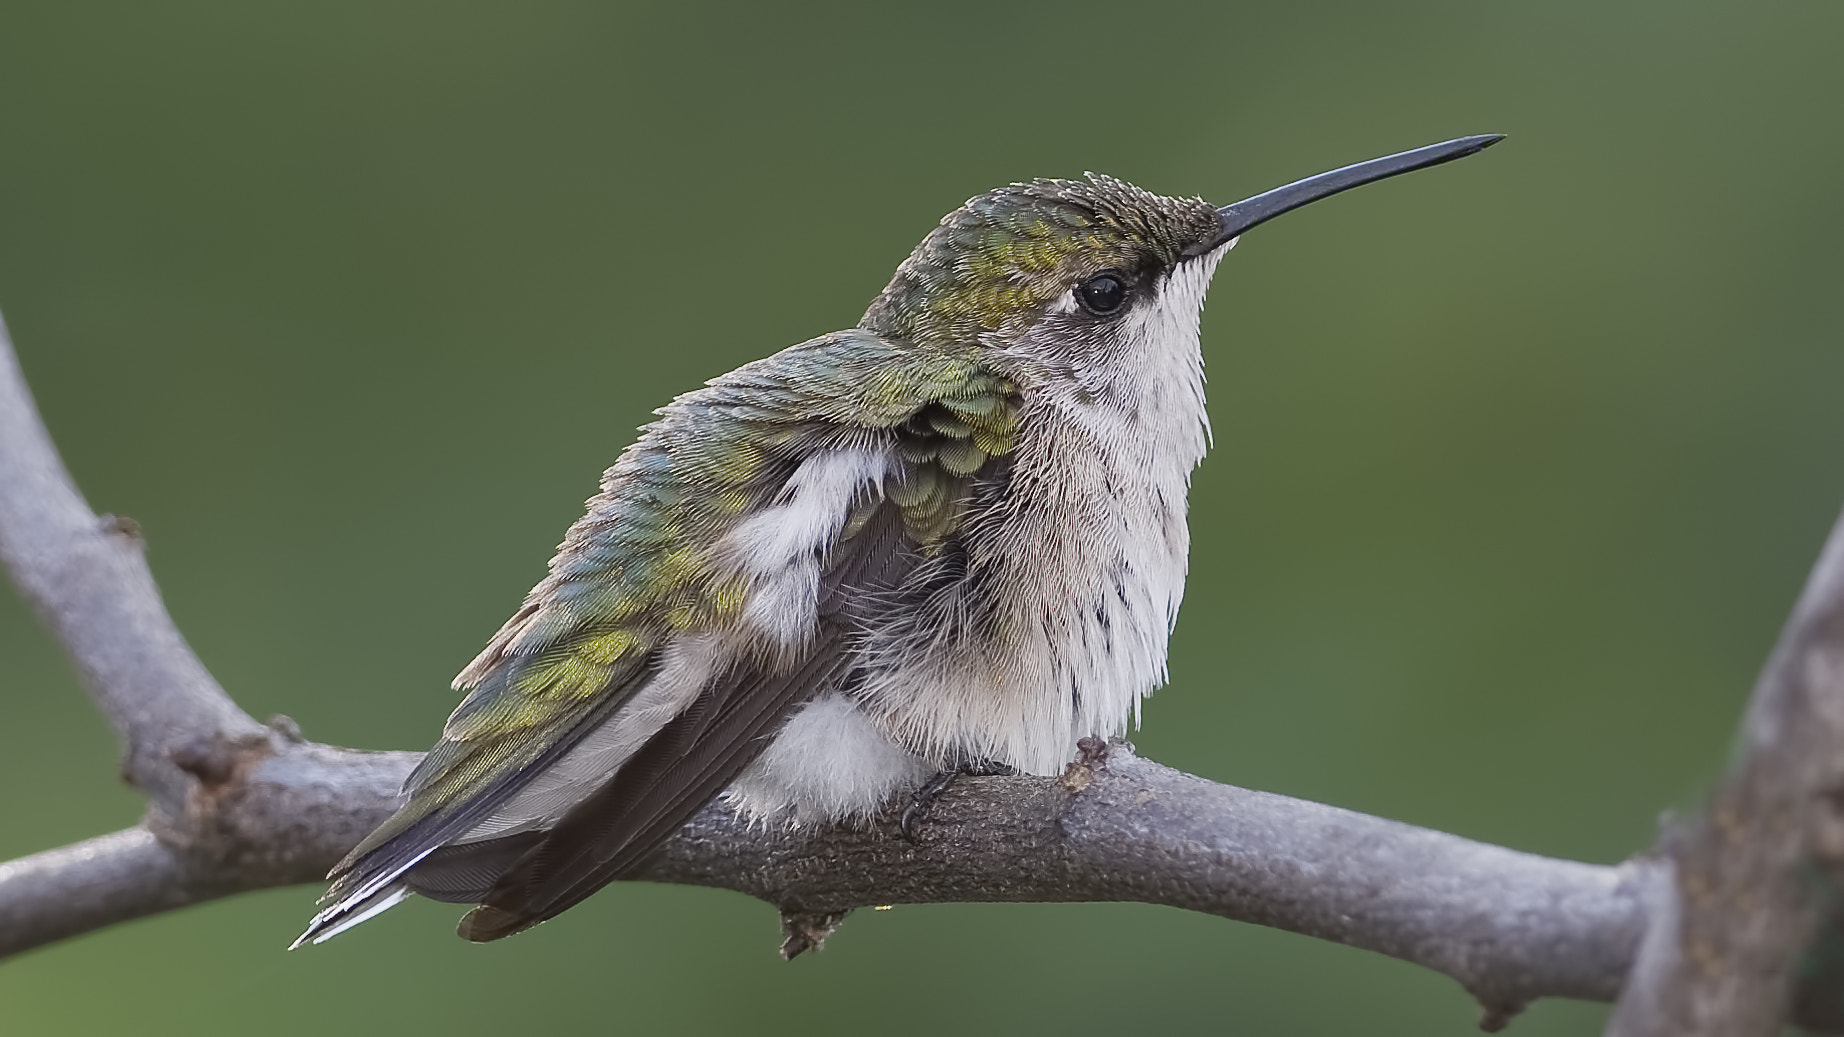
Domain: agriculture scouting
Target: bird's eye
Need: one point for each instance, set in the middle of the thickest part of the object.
(1102, 294)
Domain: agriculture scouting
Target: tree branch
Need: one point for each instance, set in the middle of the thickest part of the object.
(237, 805)
(1509, 926)
(1744, 903)
(98, 882)
(88, 581)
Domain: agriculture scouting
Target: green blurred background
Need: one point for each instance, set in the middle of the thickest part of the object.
(1519, 463)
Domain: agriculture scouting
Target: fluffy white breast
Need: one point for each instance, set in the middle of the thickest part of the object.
(829, 762)
(1090, 548)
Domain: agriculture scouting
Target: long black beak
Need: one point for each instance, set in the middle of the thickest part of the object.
(1252, 212)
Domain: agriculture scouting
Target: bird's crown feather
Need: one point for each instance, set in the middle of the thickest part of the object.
(993, 265)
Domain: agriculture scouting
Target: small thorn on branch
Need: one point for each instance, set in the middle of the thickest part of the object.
(285, 728)
(122, 526)
(802, 931)
(1091, 757)
(1497, 1016)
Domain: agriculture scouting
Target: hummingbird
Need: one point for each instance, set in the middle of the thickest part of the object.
(950, 539)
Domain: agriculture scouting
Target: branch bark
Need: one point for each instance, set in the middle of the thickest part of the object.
(87, 579)
(236, 805)
(1745, 901)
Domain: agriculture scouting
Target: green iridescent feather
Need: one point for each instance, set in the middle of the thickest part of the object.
(994, 264)
(636, 569)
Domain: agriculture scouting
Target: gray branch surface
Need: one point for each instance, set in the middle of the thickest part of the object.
(1745, 902)
(236, 805)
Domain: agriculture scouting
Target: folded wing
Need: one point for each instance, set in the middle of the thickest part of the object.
(716, 583)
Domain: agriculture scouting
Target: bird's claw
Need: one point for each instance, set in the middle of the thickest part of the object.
(923, 801)
(931, 790)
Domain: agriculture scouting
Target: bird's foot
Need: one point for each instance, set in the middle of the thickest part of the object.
(923, 801)
(931, 790)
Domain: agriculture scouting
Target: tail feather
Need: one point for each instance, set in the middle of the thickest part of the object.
(348, 913)
(465, 873)
(460, 874)
(355, 897)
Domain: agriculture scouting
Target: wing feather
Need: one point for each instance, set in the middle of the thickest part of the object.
(638, 571)
(681, 769)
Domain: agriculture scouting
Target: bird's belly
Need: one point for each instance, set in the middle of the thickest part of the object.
(1065, 631)
(1053, 629)
(829, 761)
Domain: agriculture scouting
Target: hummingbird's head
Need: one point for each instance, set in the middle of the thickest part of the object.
(1058, 250)
(1070, 273)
